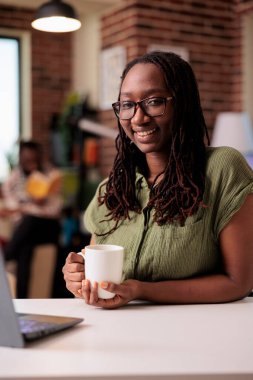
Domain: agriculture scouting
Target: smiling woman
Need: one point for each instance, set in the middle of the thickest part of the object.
(181, 210)
(9, 100)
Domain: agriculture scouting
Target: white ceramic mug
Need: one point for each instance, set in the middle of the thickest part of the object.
(103, 262)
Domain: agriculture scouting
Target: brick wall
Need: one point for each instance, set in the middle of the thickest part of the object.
(209, 29)
(51, 69)
(243, 6)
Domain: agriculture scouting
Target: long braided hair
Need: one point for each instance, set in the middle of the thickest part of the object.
(180, 193)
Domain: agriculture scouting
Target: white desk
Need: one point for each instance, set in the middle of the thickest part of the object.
(138, 342)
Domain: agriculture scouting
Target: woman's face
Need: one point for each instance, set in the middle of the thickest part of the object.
(29, 160)
(150, 134)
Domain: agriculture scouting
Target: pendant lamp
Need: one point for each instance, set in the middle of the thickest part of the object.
(56, 16)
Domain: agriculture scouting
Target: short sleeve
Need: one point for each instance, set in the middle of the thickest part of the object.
(232, 181)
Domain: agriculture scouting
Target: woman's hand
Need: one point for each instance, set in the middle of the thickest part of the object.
(124, 293)
(73, 272)
(5, 212)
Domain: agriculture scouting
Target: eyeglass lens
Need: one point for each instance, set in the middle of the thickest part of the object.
(125, 110)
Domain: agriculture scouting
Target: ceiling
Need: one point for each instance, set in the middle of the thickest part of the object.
(82, 6)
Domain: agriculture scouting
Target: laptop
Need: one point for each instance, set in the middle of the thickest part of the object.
(17, 329)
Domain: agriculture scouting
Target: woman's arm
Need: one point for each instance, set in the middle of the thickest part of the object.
(236, 246)
(9, 190)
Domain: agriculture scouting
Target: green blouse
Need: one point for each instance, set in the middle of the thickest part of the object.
(156, 253)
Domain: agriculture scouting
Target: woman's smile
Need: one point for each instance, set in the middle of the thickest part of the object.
(145, 133)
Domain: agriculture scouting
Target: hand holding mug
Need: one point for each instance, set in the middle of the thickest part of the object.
(124, 292)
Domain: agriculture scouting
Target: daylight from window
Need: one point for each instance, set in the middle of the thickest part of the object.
(9, 102)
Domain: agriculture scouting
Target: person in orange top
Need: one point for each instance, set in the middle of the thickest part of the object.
(34, 207)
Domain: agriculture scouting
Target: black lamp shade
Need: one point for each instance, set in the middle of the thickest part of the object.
(55, 9)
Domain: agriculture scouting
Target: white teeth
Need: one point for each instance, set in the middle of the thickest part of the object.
(145, 133)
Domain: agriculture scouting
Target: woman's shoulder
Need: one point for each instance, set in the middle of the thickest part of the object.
(225, 158)
(95, 212)
(101, 188)
(219, 154)
(226, 167)
(100, 191)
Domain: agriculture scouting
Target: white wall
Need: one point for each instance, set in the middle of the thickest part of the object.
(86, 58)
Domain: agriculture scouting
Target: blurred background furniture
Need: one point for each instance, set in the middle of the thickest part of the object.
(42, 272)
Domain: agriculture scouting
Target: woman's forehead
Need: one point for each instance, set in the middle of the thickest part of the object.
(29, 153)
(145, 76)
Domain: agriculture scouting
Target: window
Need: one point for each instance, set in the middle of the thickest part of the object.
(15, 92)
(9, 99)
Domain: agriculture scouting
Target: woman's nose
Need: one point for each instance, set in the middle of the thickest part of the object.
(139, 116)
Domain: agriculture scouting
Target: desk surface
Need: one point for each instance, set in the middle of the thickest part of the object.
(138, 341)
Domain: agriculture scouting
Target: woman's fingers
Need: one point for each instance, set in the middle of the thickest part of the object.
(86, 290)
(119, 289)
(74, 258)
(94, 294)
(74, 263)
(74, 287)
(124, 293)
(73, 272)
(75, 276)
(90, 292)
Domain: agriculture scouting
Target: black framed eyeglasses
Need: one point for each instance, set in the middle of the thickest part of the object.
(152, 107)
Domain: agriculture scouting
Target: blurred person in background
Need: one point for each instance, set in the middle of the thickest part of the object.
(32, 199)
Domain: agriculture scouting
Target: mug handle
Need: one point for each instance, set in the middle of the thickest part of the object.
(81, 254)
